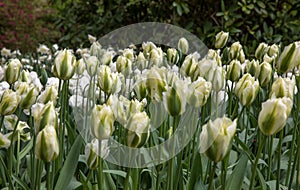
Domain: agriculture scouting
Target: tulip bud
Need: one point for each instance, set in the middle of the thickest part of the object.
(172, 56)
(47, 147)
(147, 48)
(13, 71)
(273, 50)
(289, 58)
(221, 39)
(198, 92)
(64, 65)
(95, 49)
(50, 94)
(44, 115)
(190, 67)
(106, 58)
(156, 57)
(91, 63)
(156, 83)
(246, 89)
(216, 138)
(140, 87)
(272, 118)
(9, 102)
(102, 122)
(234, 50)
(214, 55)
(91, 38)
(80, 67)
(141, 61)
(4, 141)
(2, 73)
(217, 78)
(261, 50)
(92, 152)
(138, 129)
(174, 98)
(241, 57)
(28, 94)
(235, 71)
(283, 87)
(183, 45)
(265, 74)
(253, 68)
(124, 65)
(108, 82)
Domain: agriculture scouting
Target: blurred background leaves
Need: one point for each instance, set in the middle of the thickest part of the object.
(69, 22)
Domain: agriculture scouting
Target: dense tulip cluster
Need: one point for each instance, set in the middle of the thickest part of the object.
(236, 101)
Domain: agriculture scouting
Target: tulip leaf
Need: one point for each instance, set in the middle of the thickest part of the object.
(20, 182)
(26, 149)
(237, 177)
(69, 166)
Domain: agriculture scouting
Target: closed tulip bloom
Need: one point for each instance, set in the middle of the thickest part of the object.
(273, 116)
(273, 50)
(13, 71)
(91, 63)
(253, 68)
(50, 94)
(234, 50)
(28, 94)
(283, 87)
(124, 65)
(261, 50)
(265, 74)
(95, 49)
(221, 39)
(199, 92)
(156, 83)
(156, 57)
(44, 115)
(172, 56)
(246, 89)
(235, 71)
(9, 102)
(102, 122)
(289, 58)
(92, 152)
(47, 147)
(216, 138)
(141, 61)
(217, 78)
(190, 67)
(138, 129)
(174, 98)
(64, 65)
(107, 81)
(80, 68)
(183, 45)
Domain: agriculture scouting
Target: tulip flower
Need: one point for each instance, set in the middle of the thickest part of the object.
(138, 129)
(9, 102)
(92, 152)
(190, 67)
(103, 119)
(156, 83)
(64, 65)
(28, 94)
(216, 138)
(289, 58)
(273, 115)
(172, 56)
(47, 147)
(13, 71)
(183, 45)
(4, 141)
(235, 71)
(91, 63)
(221, 39)
(261, 50)
(283, 87)
(253, 68)
(198, 92)
(124, 65)
(246, 89)
(50, 94)
(265, 74)
(174, 98)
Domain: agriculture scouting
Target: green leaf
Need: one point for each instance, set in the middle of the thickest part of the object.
(69, 166)
(26, 149)
(237, 177)
(199, 185)
(20, 182)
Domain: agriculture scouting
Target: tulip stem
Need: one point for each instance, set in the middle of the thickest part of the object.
(279, 160)
(100, 168)
(212, 176)
(1, 121)
(261, 145)
(295, 164)
(270, 157)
